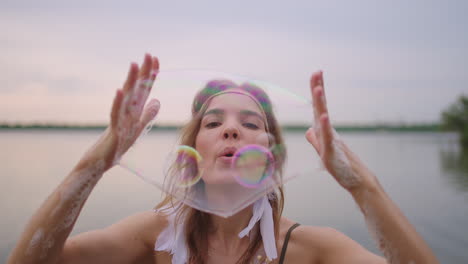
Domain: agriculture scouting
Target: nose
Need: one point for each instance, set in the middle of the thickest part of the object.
(231, 133)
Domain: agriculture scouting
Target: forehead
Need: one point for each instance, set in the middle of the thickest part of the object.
(233, 101)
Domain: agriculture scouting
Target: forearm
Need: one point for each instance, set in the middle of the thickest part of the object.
(395, 235)
(46, 232)
(44, 236)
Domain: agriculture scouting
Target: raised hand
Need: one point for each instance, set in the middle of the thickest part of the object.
(129, 116)
(396, 237)
(337, 158)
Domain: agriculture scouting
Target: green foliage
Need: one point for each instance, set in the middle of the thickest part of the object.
(456, 118)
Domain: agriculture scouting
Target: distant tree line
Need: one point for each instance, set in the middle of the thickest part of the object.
(456, 118)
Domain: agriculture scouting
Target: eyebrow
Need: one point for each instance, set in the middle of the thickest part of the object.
(217, 111)
(251, 113)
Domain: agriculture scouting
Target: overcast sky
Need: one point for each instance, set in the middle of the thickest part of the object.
(392, 61)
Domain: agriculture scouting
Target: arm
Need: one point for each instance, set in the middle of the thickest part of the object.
(44, 237)
(396, 237)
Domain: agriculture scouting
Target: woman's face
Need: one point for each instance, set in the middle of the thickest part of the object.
(231, 121)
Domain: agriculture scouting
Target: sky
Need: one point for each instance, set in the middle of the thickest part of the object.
(383, 61)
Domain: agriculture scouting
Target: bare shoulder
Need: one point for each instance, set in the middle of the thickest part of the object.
(316, 244)
(130, 240)
(315, 236)
(144, 225)
(143, 228)
(298, 248)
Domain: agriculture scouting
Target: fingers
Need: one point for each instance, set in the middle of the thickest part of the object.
(137, 87)
(150, 112)
(318, 95)
(144, 82)
(143, 86)
(146, 89)
(326, 132)
(146, 67)
(128, 89)
(322, 119)
(313, 85)
(312, 138)
(131, 78)
(155, 69)
(116, 108)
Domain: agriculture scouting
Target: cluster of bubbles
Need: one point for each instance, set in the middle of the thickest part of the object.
(252, 164)
(178, 169)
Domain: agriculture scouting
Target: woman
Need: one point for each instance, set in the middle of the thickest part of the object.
(210, 238)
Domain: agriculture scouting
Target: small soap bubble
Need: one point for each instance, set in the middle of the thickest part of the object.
(253, 164)
(186, 166)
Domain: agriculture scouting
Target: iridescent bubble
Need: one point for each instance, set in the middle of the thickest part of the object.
(186, 167)
(253, 164)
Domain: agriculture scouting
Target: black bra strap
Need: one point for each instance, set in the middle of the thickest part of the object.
(286, 241)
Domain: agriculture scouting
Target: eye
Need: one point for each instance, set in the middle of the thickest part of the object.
(212, 124)
(250, 125)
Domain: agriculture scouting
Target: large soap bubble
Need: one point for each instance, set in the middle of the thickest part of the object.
(217, 143)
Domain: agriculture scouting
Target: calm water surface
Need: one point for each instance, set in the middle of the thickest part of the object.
(424, 173)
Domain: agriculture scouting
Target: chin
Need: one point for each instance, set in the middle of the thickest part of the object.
(219, 177)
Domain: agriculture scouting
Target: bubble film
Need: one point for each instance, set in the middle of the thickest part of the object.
(186, 166)
(254, 165)
(220, 141)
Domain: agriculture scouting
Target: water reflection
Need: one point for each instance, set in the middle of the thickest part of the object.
(425, 173)
(454, 162)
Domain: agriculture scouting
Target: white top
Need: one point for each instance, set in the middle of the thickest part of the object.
(172, 239)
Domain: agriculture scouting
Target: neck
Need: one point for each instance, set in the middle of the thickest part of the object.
(225, 237)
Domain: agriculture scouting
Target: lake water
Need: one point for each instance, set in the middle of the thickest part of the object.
(424, 173)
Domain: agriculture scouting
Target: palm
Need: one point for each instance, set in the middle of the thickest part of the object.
(335, 155)
(129, 115)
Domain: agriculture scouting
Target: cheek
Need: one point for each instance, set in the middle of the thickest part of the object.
(202, 143)
(262, 139)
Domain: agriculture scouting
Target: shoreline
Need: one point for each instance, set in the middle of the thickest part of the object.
(433, 127)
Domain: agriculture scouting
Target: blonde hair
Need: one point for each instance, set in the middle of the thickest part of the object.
(197, 223)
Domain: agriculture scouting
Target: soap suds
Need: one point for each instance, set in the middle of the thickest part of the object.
(35, 241)
(390, 252)
(71, 199)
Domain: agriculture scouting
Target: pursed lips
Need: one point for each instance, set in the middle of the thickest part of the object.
(226, 154)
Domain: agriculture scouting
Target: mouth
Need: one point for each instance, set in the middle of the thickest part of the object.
(227, 153)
